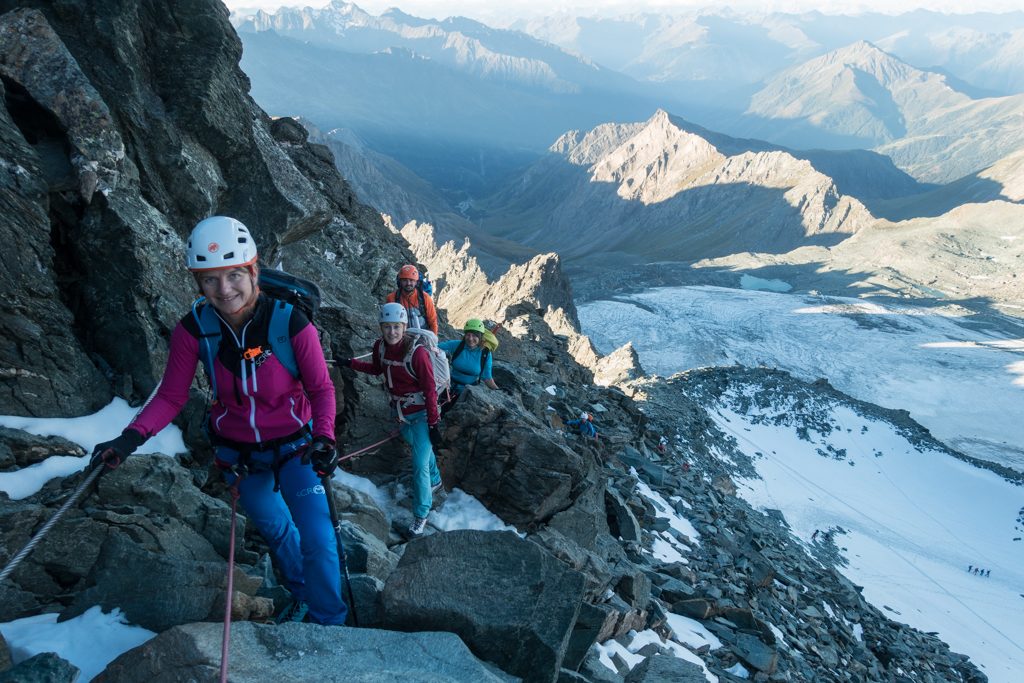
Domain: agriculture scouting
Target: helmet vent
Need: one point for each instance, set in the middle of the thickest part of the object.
(243, 240)
(200, 257)
(229, 255)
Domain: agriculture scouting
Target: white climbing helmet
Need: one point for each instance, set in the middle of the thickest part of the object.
(584, 415)
(220, 242)
(393, 313)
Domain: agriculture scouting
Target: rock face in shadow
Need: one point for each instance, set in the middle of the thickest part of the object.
(114, 149)
(301, 652)
(461, 581)
(509, 460)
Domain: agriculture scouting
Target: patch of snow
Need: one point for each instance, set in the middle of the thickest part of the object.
(89, 430)
(738, 670)
(460, 511)
(86, 431)
(28, 480)
(665, 511)
(911, 522)
(90, 641)
(636, 642)
(761, 284)
(691, 632)
(957, 381)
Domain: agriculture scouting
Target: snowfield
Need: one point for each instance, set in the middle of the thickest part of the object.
(908, 523)
(961, 380)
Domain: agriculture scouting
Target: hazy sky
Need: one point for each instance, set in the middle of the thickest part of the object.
(501, 12)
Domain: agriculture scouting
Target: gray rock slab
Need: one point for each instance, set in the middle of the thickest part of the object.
(298, 653)
(513, 603)
(665, 669)
(45, 667)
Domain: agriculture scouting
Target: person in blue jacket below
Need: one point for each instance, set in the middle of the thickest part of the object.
(470, 360)
(586, 425)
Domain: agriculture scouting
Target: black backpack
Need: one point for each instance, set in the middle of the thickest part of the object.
(293, 289)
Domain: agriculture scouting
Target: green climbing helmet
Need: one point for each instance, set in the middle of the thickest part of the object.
(474, 325)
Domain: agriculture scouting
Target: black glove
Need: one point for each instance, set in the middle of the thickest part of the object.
(343, 362)
(322, 455)
(112, 453)
(435, 436)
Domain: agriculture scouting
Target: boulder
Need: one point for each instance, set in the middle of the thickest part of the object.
(154, 590)
(593, 622)
(665, 669)
(622, 520)
(366, 554)
(755, 653)
(166, 489)
(45, 667)
(510, 461)
(513, 603)
(300, 652)
(360, 509)
(368, 592)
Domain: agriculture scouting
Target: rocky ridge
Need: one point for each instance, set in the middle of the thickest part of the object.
(587, 516)
(694, 192)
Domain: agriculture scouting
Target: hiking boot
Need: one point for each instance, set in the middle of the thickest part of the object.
(438, 495)
(296, 611)
(419, 524)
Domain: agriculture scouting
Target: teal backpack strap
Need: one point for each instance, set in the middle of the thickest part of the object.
(280, 341)
(209, 338)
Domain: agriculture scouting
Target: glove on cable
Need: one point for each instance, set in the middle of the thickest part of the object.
(112, 453)
(322, 455)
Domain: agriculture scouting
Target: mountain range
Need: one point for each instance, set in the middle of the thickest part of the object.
(457, 102)
(521, 147)
(717, 53)
(665, 189)
(860, 96)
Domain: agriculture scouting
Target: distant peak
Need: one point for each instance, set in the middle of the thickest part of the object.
(863, 50)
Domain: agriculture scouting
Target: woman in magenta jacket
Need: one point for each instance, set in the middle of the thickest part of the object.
(268, 426)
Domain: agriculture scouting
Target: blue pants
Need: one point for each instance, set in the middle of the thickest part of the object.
(296, 524)
(424, 465)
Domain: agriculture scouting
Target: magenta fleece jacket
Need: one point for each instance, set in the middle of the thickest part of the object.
(404, 383)
(258, 398)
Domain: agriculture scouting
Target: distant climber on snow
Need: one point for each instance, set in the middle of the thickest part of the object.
(415, 372)
(272, 424)
(417, 301)
(586, 425)
(470, 358)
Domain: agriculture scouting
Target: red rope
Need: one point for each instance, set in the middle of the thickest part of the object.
(231, 589)
(353, 454)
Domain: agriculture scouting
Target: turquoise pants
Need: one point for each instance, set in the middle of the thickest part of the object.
(424, 465)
